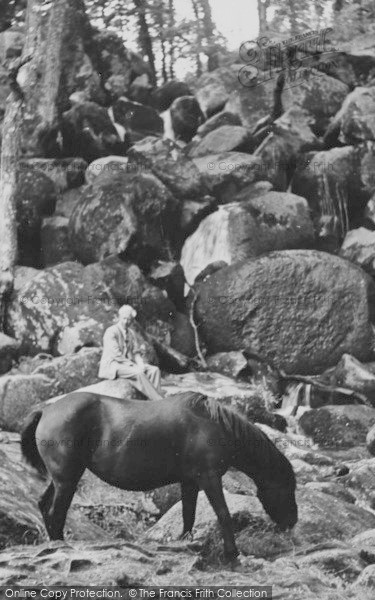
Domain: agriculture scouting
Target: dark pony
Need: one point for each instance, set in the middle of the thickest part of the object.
(187, 439)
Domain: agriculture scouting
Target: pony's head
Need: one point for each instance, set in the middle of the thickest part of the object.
(279, 502)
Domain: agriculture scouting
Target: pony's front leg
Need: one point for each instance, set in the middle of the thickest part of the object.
(211, 484)
(189, 493)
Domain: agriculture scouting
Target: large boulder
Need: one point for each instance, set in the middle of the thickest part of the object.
(167, 162)
(137, 216)
(338, 426)
(9, 350)
(88, 132)
(186, 116)
(227, 173)
(222, 118)
(227, 138)
(298, 309)
(164, 96)
(54, 299)
(18, 395)
(355, 121)
(139, 120)
(55, 245)
(35, 198)
(241, 230)
(359, 247)
(107, 165)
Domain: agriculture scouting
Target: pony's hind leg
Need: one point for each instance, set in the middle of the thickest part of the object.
(45, 504)
(189, 504)
(63, 496)
(211, 484)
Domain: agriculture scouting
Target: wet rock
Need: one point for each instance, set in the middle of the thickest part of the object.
(337, 185)
(231, 364)
(332, 489)
(352, 374)
(88, 132)
(186, 116)
(242, 230)
(116, 388)
(54, 299)
(251, 400)
(182, 336)
(338, 426)
(284, 288)
(227, 138)
(222, 118)
(167, 162)
(107, 165)
(355, 121)
(359, 247)
(137, 215)
(18, 395)
(9, 350)
(139, 120)
(165, 95)
(55, 246)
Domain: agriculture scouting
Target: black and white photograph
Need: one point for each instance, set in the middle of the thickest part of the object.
(187, 299)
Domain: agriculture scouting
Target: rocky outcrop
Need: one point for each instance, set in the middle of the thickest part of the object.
(106, 165)
(355, 121)
(55, 244)
(227, 138)
(165, 95)
(88, 132)
(186, 117)
(138, 218)
(138, 120)
(242, 230)
(359, 247)
(167, 162)
(54, 299)
(298, 309)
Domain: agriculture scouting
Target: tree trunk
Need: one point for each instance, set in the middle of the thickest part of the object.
(262, 16)
(209, 34)
(293, 17)
(10, 153)
(145, 37)
(172, 24)
(199, 39)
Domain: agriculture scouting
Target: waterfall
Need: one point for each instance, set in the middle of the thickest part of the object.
(209, 243)
(168, 129)
(119, 128)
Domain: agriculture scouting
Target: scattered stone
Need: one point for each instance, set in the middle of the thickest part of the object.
(231, 364)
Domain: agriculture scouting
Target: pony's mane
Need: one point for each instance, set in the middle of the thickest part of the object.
(237, 426)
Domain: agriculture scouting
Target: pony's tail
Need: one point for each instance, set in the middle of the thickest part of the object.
(28, 443)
